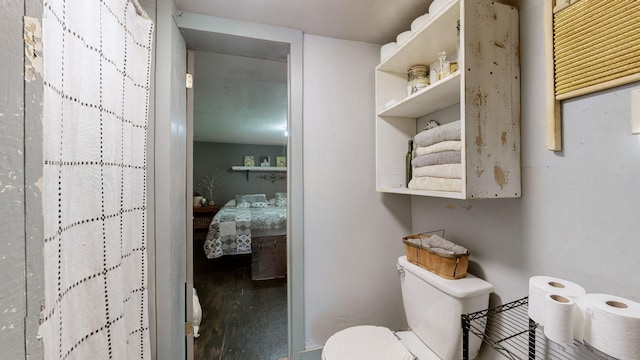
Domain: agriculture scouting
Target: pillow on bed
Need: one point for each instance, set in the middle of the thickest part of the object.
(251, 200)
(231, 203)
(281, 199)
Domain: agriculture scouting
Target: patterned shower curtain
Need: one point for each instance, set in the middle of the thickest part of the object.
(97, 56)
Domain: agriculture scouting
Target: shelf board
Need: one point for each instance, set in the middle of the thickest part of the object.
(436, 96)
(438, 34)
(406, 191)
(258, 168)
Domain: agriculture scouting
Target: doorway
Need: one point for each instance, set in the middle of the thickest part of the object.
(239, 152)
(195, 34)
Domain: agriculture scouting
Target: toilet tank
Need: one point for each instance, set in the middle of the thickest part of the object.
(433, 306)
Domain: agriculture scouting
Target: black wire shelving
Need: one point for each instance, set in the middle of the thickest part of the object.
(508, 329)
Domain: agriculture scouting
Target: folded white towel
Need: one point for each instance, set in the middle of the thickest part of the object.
(450, 131)
(448, 171)
(449, 145)
(435, 184)
(439, 158)
(227, 228)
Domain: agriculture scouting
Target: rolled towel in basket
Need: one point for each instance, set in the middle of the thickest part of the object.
(437, 255)
(439, 245)
(443, 246)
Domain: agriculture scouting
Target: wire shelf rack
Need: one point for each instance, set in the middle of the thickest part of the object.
(508, 330)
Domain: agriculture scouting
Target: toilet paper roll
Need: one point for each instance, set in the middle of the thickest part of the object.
(387, 49)
(419, 22)
(402, 37)
(540, 286)
(612, 325)
(438, 5)
(558, 324)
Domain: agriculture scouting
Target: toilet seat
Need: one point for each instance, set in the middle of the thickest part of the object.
(365, 343)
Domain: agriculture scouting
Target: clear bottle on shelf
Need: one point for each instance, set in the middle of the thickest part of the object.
(444, 69)
(408, 168)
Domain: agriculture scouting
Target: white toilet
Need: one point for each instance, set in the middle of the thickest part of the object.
(433, 306)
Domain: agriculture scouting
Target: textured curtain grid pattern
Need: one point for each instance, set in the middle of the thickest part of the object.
(595, 41)
(97, 56)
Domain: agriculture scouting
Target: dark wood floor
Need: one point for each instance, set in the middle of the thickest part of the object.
(242, 319)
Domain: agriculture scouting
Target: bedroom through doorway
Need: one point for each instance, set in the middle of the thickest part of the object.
(240, 180)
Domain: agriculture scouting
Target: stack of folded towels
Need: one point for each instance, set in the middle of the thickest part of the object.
(437, 159)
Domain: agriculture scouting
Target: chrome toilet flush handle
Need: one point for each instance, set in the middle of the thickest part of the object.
(400, 269)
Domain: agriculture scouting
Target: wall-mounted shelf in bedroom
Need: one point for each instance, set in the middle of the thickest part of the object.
(248, 169)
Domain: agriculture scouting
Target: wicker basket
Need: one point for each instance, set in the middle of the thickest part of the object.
(201, 222)
(445, 265)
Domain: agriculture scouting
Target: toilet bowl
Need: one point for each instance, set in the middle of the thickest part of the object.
(365, 342)
(369, 342)
(433, 306)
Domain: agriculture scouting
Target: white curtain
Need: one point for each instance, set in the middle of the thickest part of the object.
(97, 56)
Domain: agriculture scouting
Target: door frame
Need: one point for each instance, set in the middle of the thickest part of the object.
(189, 185)
(294, 38)
(167, 205)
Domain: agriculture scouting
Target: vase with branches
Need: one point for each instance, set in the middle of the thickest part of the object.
(207, 184)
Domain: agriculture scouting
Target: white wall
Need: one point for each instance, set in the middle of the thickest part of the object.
(352, 234)
(578, 216)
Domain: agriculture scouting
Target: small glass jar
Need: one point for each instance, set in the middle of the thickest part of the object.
(418, 78)
(443, 65)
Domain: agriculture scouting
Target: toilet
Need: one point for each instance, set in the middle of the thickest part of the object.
(433, 306)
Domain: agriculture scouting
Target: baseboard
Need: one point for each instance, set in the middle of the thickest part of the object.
(313, 354)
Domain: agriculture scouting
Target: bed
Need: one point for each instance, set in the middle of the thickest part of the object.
(251, 225)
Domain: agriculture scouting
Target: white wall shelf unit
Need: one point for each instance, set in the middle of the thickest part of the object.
(485, 88)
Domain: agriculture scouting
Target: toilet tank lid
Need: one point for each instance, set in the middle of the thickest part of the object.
(467, 287)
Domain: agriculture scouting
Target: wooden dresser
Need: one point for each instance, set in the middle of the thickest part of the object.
(202, 216)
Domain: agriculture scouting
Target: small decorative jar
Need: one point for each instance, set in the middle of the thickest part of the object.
(418, 78)
(444, 68)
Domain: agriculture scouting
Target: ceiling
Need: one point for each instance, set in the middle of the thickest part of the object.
(372, 21)
(235, 45)
(243, 100)
(239, 99)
